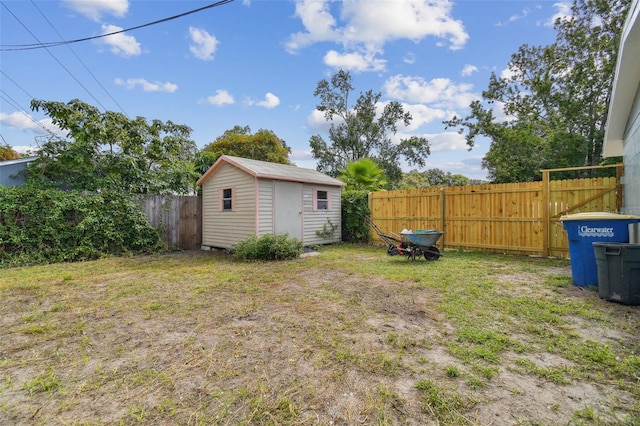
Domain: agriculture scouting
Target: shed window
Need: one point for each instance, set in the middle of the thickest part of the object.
(226, 199)
(321, 200)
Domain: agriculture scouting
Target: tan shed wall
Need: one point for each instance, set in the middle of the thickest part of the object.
(315, 220)
(223, 229)
(266, 222)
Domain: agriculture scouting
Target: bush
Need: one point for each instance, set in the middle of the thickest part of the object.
(355, 207)
(49, 225)
(268, 247)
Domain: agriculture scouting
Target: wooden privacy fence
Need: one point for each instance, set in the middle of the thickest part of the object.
(519, 218)
(177, 217)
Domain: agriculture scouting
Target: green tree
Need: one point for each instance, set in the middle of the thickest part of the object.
(433, 178)
(238, 141)
(7, 153)
(109, 151)
(359, 132)
(556, 97)
(363, 175)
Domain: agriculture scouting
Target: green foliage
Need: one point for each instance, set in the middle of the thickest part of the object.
(327, 231)
(363, 175)
(554, 100)
(109, 151)
(7, 153)
(268, 247)
(47, 226)
(362, 132)
(433, 178)
(263, 145)
(355, 208)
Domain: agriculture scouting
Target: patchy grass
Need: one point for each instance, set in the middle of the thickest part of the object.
(350, 336)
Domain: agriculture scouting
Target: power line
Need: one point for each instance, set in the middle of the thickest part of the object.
(79, 60)
(14, 82)
(16, 47)
(7, 98)
(55, 58)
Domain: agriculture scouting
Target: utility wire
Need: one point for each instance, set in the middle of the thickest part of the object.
(15, 47)
(14, 82)
(8, 99)
(79, 60)
(56, 59)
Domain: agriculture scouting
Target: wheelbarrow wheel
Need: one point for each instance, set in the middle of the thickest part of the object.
(432, 253)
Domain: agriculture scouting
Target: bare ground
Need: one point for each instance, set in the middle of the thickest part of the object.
(194, 338)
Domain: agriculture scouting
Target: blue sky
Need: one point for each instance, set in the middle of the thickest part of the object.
(257, 63)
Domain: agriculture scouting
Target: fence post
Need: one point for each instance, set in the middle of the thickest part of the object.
(546, 217)
(619, 188)
(443, 214)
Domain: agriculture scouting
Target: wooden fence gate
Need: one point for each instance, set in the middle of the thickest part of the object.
(179, 219)
(519, 218)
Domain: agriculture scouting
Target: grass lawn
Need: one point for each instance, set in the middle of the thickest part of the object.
(347, 337)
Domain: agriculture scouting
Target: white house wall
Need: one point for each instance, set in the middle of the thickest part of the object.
(315, 220)
(224, 229)
(632, 159)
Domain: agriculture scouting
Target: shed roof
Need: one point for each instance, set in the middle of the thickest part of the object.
(267, 170)
(17, 161)
(625, 83)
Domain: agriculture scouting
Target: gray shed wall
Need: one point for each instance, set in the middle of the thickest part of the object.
(631, 160)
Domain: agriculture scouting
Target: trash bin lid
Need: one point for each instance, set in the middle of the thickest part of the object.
(598, 216)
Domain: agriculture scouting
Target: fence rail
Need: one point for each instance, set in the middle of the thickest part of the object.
(519, 218)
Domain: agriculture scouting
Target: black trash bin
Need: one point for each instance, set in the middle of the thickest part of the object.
(618, 272)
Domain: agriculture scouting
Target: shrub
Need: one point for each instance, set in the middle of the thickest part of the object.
(355, 207)
(268, 247)
(49, 225)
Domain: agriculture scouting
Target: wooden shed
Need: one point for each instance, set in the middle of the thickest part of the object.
(242, 197)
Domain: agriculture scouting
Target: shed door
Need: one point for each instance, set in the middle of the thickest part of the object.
(288, 208)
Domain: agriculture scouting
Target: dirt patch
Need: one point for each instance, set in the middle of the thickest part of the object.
(195, 338)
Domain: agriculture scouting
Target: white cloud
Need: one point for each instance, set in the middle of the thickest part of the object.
(356, 62)
(563, 13)
(318, 123)
(446, 141)
(21, 120)
(147, 86)
(203, 45)
(440, 92)
(317, 20)
(222, 97)
(409, 58)
(508, 74)
(514, 18)
(422, 114)
(499, 113)
(95, 8)
(468, 70)
(367, 25)
(270, 101)
(121, 44)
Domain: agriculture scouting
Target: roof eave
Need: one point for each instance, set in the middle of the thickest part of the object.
(625, 85)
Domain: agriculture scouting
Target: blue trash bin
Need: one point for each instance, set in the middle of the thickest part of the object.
(584, 229)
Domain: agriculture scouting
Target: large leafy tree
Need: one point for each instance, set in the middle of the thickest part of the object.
(358, 131)
(238, 141)
(109, 151)
(555, 97)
